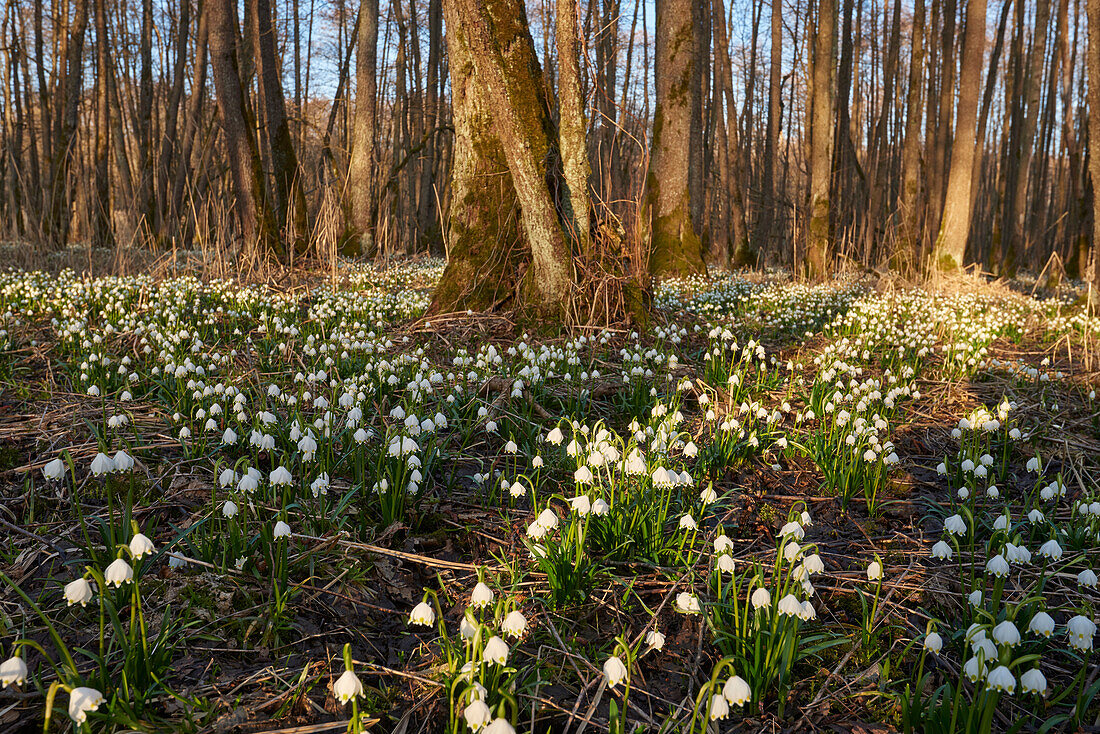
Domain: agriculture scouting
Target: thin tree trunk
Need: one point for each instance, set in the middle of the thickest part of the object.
(360, 196)
(822, 93)
(574, 151)
(101, 212)
(1092, 64)
(909, 209)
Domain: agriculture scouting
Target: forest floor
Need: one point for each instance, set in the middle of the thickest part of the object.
(851, 506)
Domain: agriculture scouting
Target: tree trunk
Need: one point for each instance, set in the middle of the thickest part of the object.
(574, 151)
(1092, 64)
(503, 145)
(744, 251)
(822, 92)
(253, 210)
(66, 119)
(950, 249)
(769, 194)
(101, 214)
(169, 138)
(675, 248)
(360, 188)
(908, 247)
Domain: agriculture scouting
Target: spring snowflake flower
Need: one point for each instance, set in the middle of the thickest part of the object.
(1041, 624)
(81, 701)
(600, 507)
(13, 670)
(955, 525)
(118, 573)
(614, 671)
(687, 603)
(282, 530)
(654, 640)
(933, 643)
(477, 715)
(974, 669)
(761, 598)
(1081, 630)
(942, 551)
(102, 464)
(708, 496)
(422, 614)
(496, 651)
(874, 571)
(467, 627)
(482, 596)
(1033, 681)
(514, 624)
(555, 436)
(794, 530)
(725, 563)
(736, 691)
(687, 522)
(719, 708)
(548, 519)
(1006, 634)
(54, 469)
(975, 597)
(723, 544)
(280, 477)
(1001, 679)
(517, 489)
(141, 546)
(1033, 464)
(78, 591)
(998, 566)
(583, 475)
(499, 725)
(580, 504)
(790, 606)
(1051, 550)
(229, 509)
(123, 461)
(347, 687)
(229, 437)
(1087, 578)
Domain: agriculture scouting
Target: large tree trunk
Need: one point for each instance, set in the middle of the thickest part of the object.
(1092, 65)
(675, 248)
(822, 92)
(360, 194)
(101, 214)
(908, 247)
(574, 151)
(954, 230)
(504, 143)
(65, 123)
(253, 210)
(290, 200)
(744, 252)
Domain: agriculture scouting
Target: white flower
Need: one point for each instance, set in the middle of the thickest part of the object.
(736, 691)
(600, 507)
(725, 563)
(347, 687)
(482, 596)
(496, 651)
(282, 530)
(687, 603)
(54, 469)
(467, 627)
(974, 669)
(942, 551)
(793, 529)
(583, 475)
(81, 701)
(1051, 550)
(790, 606)
(500, 725)
(555, 437)
(1081, 630)
(1001, 679)
(422, 614)
(514, 624)
(761, 598)
(477, 715)
(141, 546)
(229, 437)
(614, 671)
(229, 509)
(123, 461)
(1006, 634)
(1036, 516)
(813, 564)
(655, 640)
(118, 573)
(687, 522)
(580, 504)
(102, 464)
(1087, 578)
(1041, 624)
(78, 591)
(281, 476)
(874, 571)
(517, 489)
(998, 566)
(719, 708)
(13, 670)
(1033, 681)
(933, 643)
(955, 525)
(1033, 464)
(547, 519)
(974, 597)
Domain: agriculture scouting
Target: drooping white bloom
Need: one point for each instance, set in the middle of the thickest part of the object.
(933, 643)
(1081, 630)
(1033, 681)
(13, 670)
(794, 530)
(687, 522)
(141, 546)
(514, 624)
(282, 529)
(229, 509)
(280, 477)
(118, 573)
(974, 669)
(790, 605)
(482, 596)
(942, 551)
(102, 464)
(54, 469)
(1041, 624)
(998, 566)
(347, 687)
(1001, 679)
(581, 504)
(81, 701)
(500, 725)
(719, 708)
(874, 571)
(614, 671)
(78, 591)
(654, 640)
(725, 563)
(687, 603)
(1087, 578)
(422, 614)
(477, 715)
(496, 651)
(1006, 634)
(600, 507)
(761, 598)
(1051, 550)
(736, 691)
(955, 525)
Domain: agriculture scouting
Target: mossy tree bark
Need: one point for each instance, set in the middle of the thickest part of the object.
(502, 216)
(574, 151)
(950, 246)
(822, 97)
(360, 197)
(675, 248)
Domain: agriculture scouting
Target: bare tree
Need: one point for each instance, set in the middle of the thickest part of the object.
(822, 93)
